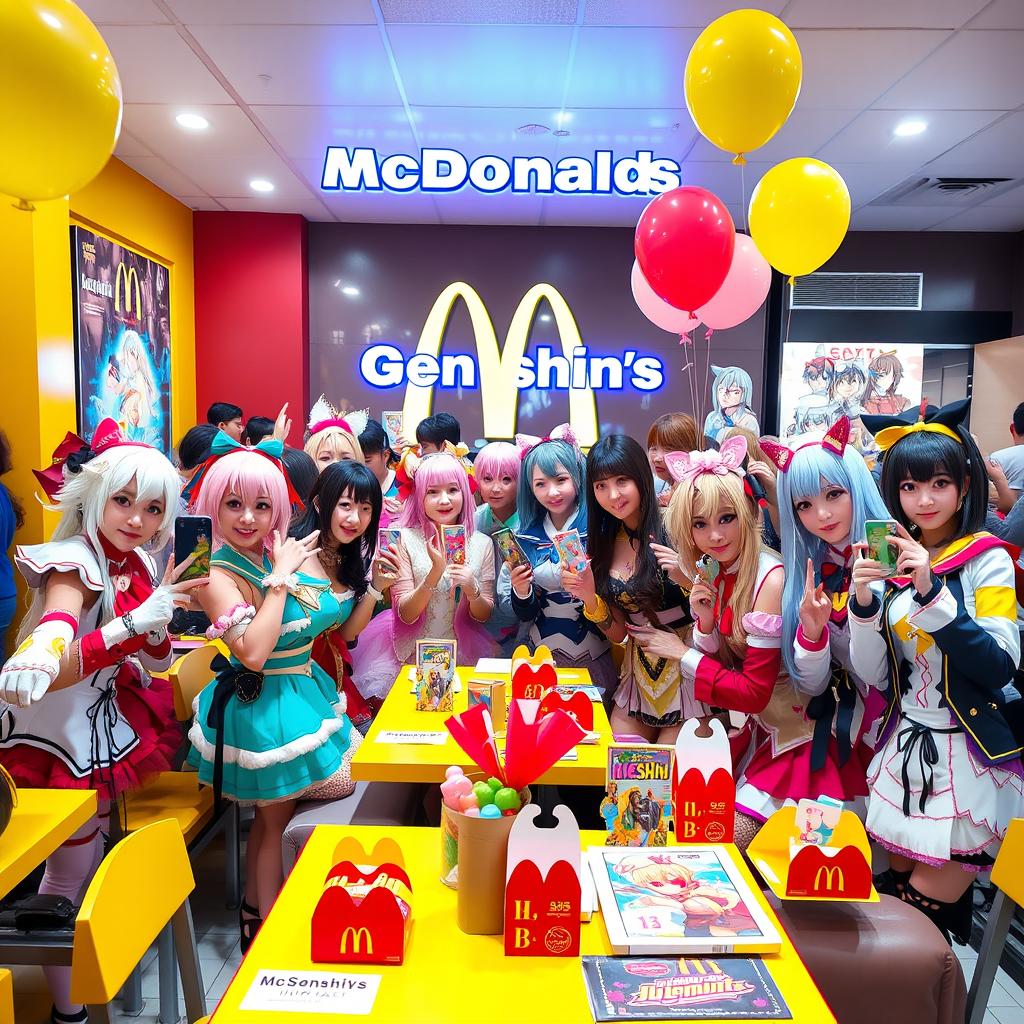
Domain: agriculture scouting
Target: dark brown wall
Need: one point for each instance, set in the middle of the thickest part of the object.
(401, 269)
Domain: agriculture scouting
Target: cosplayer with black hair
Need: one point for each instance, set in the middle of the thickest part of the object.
(345, 506)
(633, 578)
(432, 432)
(379, 457)
(302, 471)
(226, 416)
(940, 640)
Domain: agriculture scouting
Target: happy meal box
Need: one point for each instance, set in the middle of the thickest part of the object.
(704, 791)
(533, 675)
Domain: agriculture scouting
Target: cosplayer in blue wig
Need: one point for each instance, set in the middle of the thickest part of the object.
(550, 457)
(811, 470)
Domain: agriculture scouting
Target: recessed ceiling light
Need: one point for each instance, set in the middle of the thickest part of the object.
(350, 290)
(907, 128)
(261, 185)
(193, 122)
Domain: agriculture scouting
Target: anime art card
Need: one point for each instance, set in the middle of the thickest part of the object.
(454, 538)
(435, 674)
(649, 988)
(122, 339)
(679, 899)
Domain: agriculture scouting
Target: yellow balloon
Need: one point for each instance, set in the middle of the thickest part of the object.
(799, 214)
(60, 99)
(742, 80)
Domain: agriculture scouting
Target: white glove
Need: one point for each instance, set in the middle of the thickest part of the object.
(34, 666)
(153, 614)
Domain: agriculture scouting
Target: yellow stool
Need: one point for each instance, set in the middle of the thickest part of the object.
(1008, 878)
(143, 884)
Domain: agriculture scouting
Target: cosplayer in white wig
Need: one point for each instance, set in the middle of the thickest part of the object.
(81, 501)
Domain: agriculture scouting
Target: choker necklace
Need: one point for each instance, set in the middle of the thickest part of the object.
(329, 557)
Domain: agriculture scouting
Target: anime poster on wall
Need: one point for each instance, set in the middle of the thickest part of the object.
(820, 383)
(122, 339)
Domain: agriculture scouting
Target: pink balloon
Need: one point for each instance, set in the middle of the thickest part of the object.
(656, 309)
(745, 288)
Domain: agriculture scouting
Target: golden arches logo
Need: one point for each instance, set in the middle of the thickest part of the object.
(499, 392)
(357, 937)
(127, 277)
(830, 874)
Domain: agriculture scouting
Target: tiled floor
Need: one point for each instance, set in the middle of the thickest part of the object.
(217, 937)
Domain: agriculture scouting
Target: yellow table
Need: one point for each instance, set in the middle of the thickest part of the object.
(450, 977)
(43, 819)
(392, 762)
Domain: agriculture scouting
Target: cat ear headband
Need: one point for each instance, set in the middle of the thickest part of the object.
(324, 415)
(835, 441)
(890, 429)
(73, 454)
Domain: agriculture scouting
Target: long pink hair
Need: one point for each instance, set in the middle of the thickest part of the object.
(436, 470)
(250, 476)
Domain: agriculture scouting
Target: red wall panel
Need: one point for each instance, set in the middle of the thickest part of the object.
(252, 321)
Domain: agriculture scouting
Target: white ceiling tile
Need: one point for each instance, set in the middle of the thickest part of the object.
(849, 70)
(486, 65)
(973, 71)
(997, 151)
(669, 132)
(1001, 14)
(382, 208)
(984, 218)
(336, 64)
(881, 13)
(1013, 199)
(629, 67)
(161, 173)
(476, 131)
(479, 12)
(896, 218)
(469, 207)
(224, 178)
(157, 66)
(868, 181)
(870, 136)
(231, 134)
(201, 203)
(723, 179)
(274, 12)
(310, 209)
(568, 211)
(806, 130)
(123, 12)
(128, 146)
(692, 14)
(306, 132)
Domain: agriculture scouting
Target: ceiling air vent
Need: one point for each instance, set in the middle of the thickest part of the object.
(857, 291)
(918, 191)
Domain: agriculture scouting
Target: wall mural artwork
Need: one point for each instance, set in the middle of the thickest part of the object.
(122, 339)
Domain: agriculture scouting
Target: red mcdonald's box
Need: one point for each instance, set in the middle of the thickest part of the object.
(577, 705)
(542, 886)
(364, 914)
(532, 674)
(829, 873)
(703, 791)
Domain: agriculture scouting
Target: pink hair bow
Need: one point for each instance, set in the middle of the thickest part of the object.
(527, 442)
(689, 465)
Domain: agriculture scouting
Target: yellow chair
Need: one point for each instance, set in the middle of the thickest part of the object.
(143, 884)
(6, 997)
(1008, 878)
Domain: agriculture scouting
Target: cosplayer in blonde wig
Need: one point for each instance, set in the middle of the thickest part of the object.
(701, 498)
(343, 444)
(83, 498)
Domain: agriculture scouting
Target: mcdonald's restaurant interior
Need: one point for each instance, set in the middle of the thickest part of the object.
(448, 449)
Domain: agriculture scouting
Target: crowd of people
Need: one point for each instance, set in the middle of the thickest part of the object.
(728, 578)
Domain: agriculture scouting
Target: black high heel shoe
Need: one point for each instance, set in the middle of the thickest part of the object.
(56, 1017)
(248, 926)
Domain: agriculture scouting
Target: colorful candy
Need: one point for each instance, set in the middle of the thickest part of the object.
(507, 799)
(490, 811)
(472, 812)
(452, 770)
(495, 784)
(484, 794)
(468, 801)
(453, 788)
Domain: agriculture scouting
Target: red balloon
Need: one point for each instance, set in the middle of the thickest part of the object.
(684, 243)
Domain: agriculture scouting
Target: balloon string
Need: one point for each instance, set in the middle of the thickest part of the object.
(743, 195)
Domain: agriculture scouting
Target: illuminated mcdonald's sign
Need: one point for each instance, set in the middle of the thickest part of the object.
(830, 874)
(129, 278)
(502, 373)
(357, 937)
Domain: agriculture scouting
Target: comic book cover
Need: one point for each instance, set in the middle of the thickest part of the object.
(637, 804)
(510, 550)
(679, 899)
(435, 674)
(571, 552)
(649, 988)
(454, 538)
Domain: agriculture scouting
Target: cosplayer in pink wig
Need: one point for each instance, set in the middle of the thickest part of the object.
(251, 476)
(437, 470)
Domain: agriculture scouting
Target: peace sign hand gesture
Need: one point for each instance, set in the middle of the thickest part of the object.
(815, 607)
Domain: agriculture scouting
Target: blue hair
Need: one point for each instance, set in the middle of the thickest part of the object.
(812, 469)
(547, 457)
(732, 377)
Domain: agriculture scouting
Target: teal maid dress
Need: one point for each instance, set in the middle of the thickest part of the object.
(290, 735)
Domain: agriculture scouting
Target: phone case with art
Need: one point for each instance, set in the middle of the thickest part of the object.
(392, 423)
(511, 552)
(388, 539)
(880, 549)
